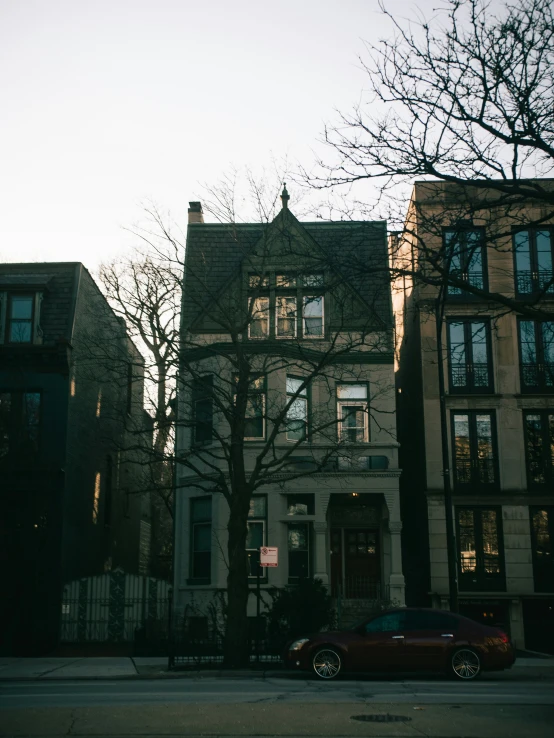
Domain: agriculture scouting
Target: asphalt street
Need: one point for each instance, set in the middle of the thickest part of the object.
(229, 707)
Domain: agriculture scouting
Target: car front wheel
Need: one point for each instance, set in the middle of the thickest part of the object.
(465, 664)
(326, 663)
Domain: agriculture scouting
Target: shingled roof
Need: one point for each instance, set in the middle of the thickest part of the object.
(357, 250)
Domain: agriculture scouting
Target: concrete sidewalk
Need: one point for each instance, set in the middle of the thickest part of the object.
(123, 667)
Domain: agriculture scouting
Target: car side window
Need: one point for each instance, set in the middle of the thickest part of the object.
(426, 620)
(392, 621)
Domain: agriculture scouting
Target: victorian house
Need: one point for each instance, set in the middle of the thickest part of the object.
(318, 442)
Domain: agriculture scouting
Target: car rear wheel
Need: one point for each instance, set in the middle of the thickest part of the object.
(326, 663)
(465, 664)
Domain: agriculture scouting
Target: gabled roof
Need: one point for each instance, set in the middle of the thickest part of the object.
(215, 254)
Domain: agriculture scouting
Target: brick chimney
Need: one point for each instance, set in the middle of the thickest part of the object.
(196, 214)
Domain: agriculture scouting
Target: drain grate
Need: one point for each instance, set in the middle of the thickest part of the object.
(381, 718)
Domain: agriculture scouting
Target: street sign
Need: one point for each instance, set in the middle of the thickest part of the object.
(268, 556)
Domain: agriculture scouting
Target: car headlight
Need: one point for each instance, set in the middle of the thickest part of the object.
(297, 645)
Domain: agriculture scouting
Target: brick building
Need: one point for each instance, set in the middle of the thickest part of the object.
(71, 393)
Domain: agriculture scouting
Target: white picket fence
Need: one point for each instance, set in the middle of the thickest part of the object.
(113, 607)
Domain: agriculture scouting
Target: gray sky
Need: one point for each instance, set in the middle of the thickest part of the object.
(108, 103)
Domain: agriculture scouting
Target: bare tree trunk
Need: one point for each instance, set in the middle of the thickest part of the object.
(236, 651)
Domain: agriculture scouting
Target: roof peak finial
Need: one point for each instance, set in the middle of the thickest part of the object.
(285, 197)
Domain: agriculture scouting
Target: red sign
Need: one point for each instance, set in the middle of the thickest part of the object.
(269, 556)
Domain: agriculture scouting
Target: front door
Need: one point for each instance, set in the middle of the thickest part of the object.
(355, 563)
(361, 564)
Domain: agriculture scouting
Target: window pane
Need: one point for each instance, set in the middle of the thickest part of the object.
(293, 385)
(5, 422)
(298, 537)
(259, 323)
(201, 564)
(202, 537)
(462, 449)
(543, 542)
(353, 419)
(20, 331)
(31, 416)
(201, 509)
(300, 505)
(254, 422)
(203, 420)
(313, 280)
(285, 280)
(523, 261)
(544, 253)
(528, 343)
(255, 535)
(313, 316)
(297, 418)
(22, 307)
(491, 556)
(352, 391)
(548, 342)
(286, 316)
(458, 359)
(474, 259)
(466, 544)
(258, 506)
(534, 449)
(257, 280)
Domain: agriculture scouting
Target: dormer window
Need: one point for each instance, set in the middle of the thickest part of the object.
(20, 319)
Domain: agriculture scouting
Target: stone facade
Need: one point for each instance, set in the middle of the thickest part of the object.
(491, 480)
(342, 522)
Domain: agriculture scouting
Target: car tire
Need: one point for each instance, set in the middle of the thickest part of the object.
(326, 662)
(464, 664)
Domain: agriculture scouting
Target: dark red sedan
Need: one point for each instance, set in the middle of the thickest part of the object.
(406, 639)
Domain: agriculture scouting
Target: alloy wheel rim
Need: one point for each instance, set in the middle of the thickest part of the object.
(326, 664)
(466, 664)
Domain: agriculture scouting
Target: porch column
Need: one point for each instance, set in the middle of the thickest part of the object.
(396, 578)
(320, 552)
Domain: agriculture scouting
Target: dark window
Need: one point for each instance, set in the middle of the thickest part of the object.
(109, 492)
(481, 565)
(464, 247)
(542, 536)
(536, 350)
(19, 424)
(539, 444)
(389, 623)
(129, 395)
(254, 425)
(20, 318)
(533, 258)
(300, 504)
(473, 434)
(256, 535)
(201, 538)
(202, 402)
(431, 620)
(469, 356)
(297, 413)
(299, 550)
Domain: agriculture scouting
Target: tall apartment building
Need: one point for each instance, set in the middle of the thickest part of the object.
(498, 367)
(319, 344)
(71, 397)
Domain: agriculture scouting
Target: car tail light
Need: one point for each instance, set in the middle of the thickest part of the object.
(503, 636)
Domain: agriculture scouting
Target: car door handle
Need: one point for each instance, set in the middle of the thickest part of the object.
(447, 635)
(398, 636)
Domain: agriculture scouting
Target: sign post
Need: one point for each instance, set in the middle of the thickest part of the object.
(268, 557)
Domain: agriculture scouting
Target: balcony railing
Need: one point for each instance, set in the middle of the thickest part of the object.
(470, 377)
(475, 472)
(537, 377)
(530, 283)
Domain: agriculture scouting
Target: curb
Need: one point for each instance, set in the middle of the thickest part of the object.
(179, 674)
